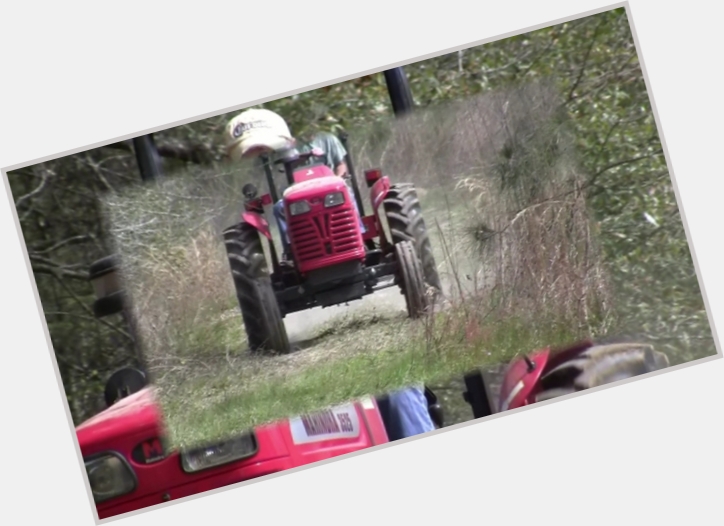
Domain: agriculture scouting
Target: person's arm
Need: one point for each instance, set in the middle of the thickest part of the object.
(338, 154)
(341, 169)
(335, 151)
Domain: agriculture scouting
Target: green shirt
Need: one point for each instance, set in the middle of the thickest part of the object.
(334, 151)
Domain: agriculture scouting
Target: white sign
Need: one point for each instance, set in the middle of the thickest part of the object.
(332, 424)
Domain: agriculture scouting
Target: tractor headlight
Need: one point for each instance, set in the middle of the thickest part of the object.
(333, 199)
(109, 476)
(218, 454)
(299, 207)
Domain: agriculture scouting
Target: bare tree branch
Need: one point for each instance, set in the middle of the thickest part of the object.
(611, 188)
(195, 153)
(89, 311)
(96, 167)
(45, 175)
(621, 163)
(585, 61)
(69, 241)
(55, 271)
(600, 83)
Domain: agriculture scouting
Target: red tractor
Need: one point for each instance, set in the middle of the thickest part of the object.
(332, 262)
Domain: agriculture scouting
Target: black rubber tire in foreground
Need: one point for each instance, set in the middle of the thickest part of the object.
(411, 279)
(600, 365)
(259, 308)
(404, 217)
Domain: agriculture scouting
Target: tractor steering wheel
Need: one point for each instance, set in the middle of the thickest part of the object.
(300, 157)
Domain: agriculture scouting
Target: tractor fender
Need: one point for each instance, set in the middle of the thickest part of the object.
(379, 191)
(521, 380)
(256, 220)
(520, 385)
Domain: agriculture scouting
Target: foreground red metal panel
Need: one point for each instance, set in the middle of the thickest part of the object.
(522, 379)
(134, 423)
(257, 221)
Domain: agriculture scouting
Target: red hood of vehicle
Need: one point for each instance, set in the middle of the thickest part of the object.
(312, 172)
(136, 412)
(520, 381)
(315, 187)
(136, 420)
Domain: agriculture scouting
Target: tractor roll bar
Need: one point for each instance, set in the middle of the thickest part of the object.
(402, 103)
(270, 178)
(149, 162)
(348, 160)
(400, 93)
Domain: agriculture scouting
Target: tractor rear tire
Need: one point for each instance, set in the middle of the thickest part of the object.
(600, 365)
(259, 308)
(404, 217)
(411, 279)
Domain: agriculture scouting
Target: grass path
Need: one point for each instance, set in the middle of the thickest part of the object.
(343, 352)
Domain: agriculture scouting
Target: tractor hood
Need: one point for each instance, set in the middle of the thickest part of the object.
(522, 378)
(315, 188)
(135, 413)
(312, 172)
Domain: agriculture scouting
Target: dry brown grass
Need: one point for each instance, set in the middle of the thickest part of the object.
(506, 161)
(174, 266)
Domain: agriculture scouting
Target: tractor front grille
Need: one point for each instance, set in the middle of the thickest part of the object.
(322, 235)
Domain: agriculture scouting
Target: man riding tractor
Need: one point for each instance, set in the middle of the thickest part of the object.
(259, 131)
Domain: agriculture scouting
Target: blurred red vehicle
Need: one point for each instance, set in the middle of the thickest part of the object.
(130, 468)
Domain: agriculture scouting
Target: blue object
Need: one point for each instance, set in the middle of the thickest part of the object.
(405, 413)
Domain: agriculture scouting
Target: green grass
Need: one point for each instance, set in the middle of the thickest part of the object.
(380, 354)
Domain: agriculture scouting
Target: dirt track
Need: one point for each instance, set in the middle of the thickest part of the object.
(303, 325)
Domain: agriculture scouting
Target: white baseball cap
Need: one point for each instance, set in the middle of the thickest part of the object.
(255, 131)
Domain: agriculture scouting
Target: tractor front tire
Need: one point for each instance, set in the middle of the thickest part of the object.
(411, 279)
(259, 308)
(600, 365)
(404, 218)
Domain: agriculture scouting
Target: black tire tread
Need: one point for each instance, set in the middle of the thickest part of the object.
(600, 365)
(259, 308)
(406, 223)
(412, 280)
